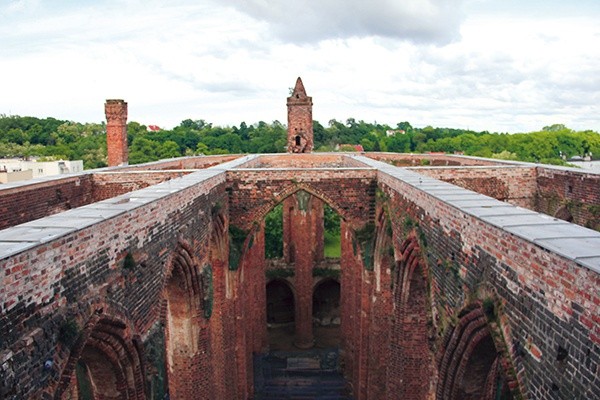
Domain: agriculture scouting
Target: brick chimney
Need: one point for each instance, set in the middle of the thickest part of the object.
(116, 132)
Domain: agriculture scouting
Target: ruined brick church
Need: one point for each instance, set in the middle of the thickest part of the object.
(458, 277)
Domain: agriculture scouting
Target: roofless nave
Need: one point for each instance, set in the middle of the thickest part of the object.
(132, 281)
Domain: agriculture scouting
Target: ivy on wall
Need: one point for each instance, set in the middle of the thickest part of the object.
(206, 277)
(237, 237)
(154, 349)
(69, 331)
(326, 273)
(365, 238)
(276, 273)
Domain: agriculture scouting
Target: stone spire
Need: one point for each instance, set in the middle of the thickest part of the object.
(300, 124)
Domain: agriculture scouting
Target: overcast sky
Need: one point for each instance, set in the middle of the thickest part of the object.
(497, 65)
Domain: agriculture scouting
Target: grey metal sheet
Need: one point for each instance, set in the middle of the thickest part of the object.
(531, 218)
(32, 234)
(10, 248)
(553, 230)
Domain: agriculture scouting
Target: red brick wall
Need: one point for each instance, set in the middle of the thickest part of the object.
(535, 287)
(411, 363)
(112, 184)
(577, 193)
(42, 286)
(198, 162)
(317, 160)
(437, 160)
(515, 185)
(55, 195)
(30, 201)
(545, 300)
(253, 193)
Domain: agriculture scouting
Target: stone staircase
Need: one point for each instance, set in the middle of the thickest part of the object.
(300, 375)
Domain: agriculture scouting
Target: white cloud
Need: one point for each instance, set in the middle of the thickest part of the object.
(306, 21)
(225, 64)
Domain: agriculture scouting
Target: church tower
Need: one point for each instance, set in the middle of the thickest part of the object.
(300, 124)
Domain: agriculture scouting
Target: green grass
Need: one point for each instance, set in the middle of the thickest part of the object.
(332, 246)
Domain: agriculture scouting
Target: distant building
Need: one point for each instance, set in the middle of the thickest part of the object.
(15, 176)
(153, 128)
(392, 132)
(13, 169)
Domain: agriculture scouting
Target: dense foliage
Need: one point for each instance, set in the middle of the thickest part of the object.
(274, 232)
(49, 137)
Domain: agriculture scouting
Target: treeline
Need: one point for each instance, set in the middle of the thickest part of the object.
(49, 137)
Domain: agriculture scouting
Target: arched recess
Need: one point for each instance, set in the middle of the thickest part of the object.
(219, 238)
(470, 366)
(280, 302)
(105, 362)
(182, 311)
(383, 246)
(410, 359)
(244, 233)
(326, 302)
(564, 214)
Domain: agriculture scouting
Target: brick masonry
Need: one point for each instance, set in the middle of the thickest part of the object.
(445, 292)
(300, 122)
(116, 132)
(53, 195)
(515, 185)
(571, 196)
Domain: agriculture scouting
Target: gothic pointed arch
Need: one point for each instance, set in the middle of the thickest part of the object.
(473, 362)
(105, 361)
(383, 250)
(293, 189)
(411, 357)
(219, 238)
(184, 311)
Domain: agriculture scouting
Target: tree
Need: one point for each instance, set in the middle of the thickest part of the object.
(274, 232)
(168, 149)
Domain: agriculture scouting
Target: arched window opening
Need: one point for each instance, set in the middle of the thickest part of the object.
(471, 367)
(99, 378)
(274, 233)
(332, 238)
(326, 314)
(564, 214)
(298, 140)
(281, 315)
(478, 368)
(326, 303)
(280, 303)
(85, 387)
(107, 366)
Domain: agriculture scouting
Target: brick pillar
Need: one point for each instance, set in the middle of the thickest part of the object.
(301, 227)
(116, 132)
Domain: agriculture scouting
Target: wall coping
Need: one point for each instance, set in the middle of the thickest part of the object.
(571, 241)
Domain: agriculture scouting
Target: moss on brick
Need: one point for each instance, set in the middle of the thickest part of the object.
(207, 290)
(237, 237)
(365, 238)
(69, 332)
(277, 273)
